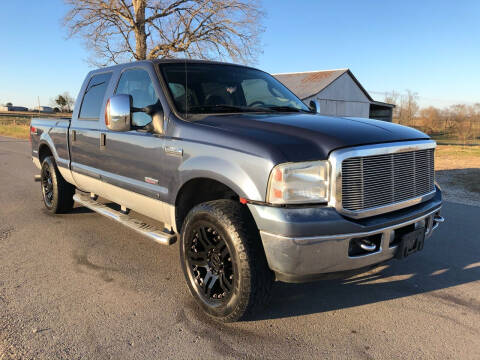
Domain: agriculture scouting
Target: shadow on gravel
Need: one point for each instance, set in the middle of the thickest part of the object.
(451, 257)
(467, 179)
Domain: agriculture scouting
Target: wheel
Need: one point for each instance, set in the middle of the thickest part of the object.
(56, 192)
(223, 260)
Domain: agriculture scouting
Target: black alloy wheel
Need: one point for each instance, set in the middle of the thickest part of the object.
(47, 187)
(57, 194)
(210, 263)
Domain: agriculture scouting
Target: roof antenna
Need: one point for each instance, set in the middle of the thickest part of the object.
(186, 89)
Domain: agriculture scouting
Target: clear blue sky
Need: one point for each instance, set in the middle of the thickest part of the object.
(431, 47)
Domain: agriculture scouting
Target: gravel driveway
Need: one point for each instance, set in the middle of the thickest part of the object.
(77, 286)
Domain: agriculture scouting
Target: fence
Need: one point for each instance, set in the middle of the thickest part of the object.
(23, 119)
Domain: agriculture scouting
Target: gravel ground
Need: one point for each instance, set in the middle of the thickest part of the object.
(77, 286)
(458, 173)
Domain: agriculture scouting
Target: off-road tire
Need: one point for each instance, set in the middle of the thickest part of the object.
(62, 191)
(253, 279)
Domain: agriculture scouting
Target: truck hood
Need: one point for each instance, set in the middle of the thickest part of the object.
(302, 137)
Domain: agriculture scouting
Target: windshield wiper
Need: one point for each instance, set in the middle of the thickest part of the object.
(224, 107)
(286, 109)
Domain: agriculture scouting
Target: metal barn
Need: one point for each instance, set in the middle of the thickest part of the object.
(338, 92)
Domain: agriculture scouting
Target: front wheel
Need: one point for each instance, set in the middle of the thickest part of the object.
(223, 260)
(56, 192)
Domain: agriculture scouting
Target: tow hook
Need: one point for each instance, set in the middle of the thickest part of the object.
(366, 245)
(437, 219)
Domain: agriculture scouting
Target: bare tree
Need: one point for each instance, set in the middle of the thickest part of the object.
(60, 102)
(64, 102)
(124, 30)
(463, 118)
(69, 101)
(430, 118)
(408, 108)
(393, 98)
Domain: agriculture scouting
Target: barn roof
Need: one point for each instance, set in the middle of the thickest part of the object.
(309, 83)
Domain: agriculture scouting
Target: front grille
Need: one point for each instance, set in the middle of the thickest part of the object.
(381, 180)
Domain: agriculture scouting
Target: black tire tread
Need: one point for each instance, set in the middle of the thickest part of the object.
(244, 233)
(65, 190)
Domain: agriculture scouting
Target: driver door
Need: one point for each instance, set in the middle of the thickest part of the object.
(133, 159)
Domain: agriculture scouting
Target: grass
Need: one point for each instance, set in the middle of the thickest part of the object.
(15, 131)
(458, 150)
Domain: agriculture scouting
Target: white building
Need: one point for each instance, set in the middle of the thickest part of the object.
(338, 92)
(44, 109)
(13, 108)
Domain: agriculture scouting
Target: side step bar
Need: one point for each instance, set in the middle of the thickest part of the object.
(150, 231)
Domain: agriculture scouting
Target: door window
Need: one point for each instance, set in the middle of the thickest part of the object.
(137, 83)
(93, 97)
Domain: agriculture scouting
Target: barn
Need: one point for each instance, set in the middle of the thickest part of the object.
(338, 92)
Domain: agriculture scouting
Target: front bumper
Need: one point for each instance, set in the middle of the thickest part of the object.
(303, 244)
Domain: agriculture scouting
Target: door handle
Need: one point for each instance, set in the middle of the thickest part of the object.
(74, 135)
(103, 139)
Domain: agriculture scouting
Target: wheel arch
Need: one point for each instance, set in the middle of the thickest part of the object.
(44, 151)
(199, 190)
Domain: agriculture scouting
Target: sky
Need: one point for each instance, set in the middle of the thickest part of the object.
(430, 47)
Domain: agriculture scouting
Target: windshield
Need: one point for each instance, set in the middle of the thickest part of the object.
(214, 88)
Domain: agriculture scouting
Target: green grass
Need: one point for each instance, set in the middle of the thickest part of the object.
(15, 131)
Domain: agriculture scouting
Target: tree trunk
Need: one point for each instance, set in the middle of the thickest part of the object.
(139, 30)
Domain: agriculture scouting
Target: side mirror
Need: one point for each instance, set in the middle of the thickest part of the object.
(314, 106)
(118, 115)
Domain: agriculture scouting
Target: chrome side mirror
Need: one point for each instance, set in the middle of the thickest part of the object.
(315, 106)
(118, 114)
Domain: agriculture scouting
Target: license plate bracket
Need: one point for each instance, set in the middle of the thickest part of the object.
(410, 243)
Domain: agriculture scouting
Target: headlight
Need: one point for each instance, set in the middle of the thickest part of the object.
(299, 183)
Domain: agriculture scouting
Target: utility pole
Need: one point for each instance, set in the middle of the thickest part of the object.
(38, 98)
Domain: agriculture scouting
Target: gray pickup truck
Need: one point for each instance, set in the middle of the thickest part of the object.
(254, 184)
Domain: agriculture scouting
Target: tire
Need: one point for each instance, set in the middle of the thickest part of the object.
(223, 260)
(57, 194)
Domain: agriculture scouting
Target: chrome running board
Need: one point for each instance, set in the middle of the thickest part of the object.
(152, 232)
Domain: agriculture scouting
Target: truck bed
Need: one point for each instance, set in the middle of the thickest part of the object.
(51, 132)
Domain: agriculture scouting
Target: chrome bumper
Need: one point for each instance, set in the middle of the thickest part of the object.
(297, 259)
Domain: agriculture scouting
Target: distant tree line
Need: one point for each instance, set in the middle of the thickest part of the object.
(460, 121)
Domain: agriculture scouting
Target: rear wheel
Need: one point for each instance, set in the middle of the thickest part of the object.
(56, 192)
(223, 260)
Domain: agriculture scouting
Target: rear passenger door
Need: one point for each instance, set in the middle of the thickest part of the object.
(85, 130)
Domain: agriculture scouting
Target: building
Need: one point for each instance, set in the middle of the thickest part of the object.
(338, 92)
(44, 109)
(13, 108)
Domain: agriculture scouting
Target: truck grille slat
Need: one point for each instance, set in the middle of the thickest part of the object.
(381, 180)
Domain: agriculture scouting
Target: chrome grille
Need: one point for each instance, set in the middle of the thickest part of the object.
(381, 180)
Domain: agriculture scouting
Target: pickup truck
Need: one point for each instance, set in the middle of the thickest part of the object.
(255, 185)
